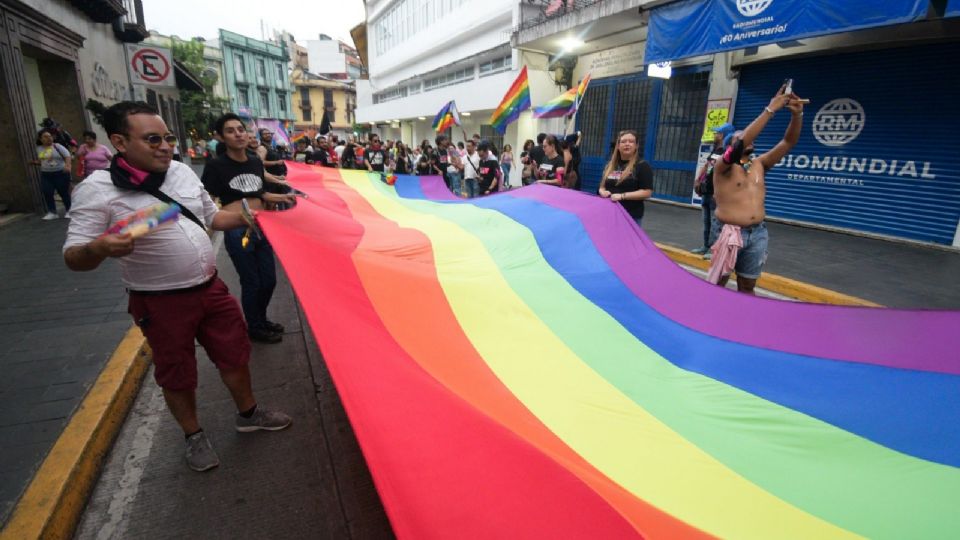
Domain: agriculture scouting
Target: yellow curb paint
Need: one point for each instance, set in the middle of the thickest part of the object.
(54, 500)
(774, 283)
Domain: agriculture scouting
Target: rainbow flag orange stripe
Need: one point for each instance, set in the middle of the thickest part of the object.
(530, 365)
(516, 100)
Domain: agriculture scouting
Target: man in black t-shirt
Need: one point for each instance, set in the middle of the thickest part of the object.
(536, 153)
(489, 170)
(375, 156)
(234, 177)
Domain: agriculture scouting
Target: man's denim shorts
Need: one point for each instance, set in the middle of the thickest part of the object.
(753, 255)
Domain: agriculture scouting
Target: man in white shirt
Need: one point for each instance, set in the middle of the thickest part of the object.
(175, 294)
(471, 170)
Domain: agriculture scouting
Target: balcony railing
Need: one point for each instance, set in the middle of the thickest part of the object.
(101, 11)
(536, 12)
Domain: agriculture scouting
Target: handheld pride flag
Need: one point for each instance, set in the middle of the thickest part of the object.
(448, 116)
(516, 100)
(146, 220)
(564, 104)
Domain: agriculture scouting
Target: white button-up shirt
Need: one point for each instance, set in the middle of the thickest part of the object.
(175, 255)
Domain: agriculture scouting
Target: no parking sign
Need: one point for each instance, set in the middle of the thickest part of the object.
(150, 65)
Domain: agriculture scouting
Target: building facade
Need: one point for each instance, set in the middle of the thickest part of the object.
(873, 158)
(314, 95)
(422, 54)
(334, 58)
(256, 77)
(54, 56)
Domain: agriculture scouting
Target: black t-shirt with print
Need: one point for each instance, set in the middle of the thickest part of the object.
(233, 180)
(488, 173)
(377, 159)
(640, 178)
(548, 168)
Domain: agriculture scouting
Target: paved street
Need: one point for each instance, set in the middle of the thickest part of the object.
(57, 330)
(309, 481)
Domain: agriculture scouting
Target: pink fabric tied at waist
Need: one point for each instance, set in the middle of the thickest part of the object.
(725, 253)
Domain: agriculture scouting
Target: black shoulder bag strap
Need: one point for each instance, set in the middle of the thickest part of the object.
(183, 209)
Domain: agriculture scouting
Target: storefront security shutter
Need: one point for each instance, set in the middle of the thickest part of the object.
(879, 150)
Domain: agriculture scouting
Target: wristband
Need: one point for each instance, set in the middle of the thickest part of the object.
(769, 110)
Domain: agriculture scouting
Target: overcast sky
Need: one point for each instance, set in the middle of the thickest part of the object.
(305, 20)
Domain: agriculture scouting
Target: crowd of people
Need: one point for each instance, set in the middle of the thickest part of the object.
(177, 298)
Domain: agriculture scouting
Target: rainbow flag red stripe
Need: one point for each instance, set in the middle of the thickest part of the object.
(561, 105)
(516, 100)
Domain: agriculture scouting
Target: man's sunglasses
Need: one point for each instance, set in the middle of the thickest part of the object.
(156, 140)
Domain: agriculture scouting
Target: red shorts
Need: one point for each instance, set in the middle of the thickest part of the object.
(171, 323)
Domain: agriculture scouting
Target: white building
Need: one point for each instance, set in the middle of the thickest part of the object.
(424, 53)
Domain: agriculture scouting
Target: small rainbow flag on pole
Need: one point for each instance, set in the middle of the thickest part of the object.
(516, 100)
(448, 116)
(564, 104)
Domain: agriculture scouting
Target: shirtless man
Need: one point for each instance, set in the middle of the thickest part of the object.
(740, 192)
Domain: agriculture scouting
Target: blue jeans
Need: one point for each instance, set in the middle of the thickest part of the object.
(55, 182)
(456, 184)
(707, 207)
(753, 255)
(505, 183)
(258, 274)
(473, 187)
(639, 221)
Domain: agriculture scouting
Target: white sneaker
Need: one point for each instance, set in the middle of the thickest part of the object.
(49, 216)
(66, 216)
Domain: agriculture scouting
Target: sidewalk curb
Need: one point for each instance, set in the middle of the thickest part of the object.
(804, 292)
(52, 504)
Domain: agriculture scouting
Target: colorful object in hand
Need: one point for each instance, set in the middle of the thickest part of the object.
(534, 367)
(390, 179)
(146, 220)
(565, 104)
(447, 117)
(516, 100)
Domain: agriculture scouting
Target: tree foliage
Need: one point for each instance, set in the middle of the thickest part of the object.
(199, 109)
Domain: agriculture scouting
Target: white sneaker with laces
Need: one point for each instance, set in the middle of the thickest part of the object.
(49, 216)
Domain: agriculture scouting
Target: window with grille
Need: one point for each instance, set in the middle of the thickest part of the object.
(238, 66)
(264, 103)
(447, 79)
(631, 110)
(593, 121)
(496, 65)
(282, 99)
(243, 98)
(261, 69)
(680, 127)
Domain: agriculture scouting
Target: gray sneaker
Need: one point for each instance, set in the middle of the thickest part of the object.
(708, 256)
(263, 419)
(200, 454)
(699, 251)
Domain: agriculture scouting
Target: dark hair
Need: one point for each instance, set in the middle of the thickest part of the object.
(441, 139)
(222, 121)
(485, 145)
(40, 134)
(540, 138)
(527, 145)
(460, 145)
(550, 139)
(90, 134)
(471, 141)
(115, 116)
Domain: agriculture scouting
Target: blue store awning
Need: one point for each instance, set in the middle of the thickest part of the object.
(953, 8)
(695, 27)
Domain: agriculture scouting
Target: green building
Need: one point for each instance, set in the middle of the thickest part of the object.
(256, 77)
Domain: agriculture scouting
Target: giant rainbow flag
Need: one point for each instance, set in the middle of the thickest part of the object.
(529, 365)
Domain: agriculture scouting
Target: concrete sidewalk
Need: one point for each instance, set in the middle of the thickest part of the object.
(57, 330)
(889, 273)
(309, 481)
